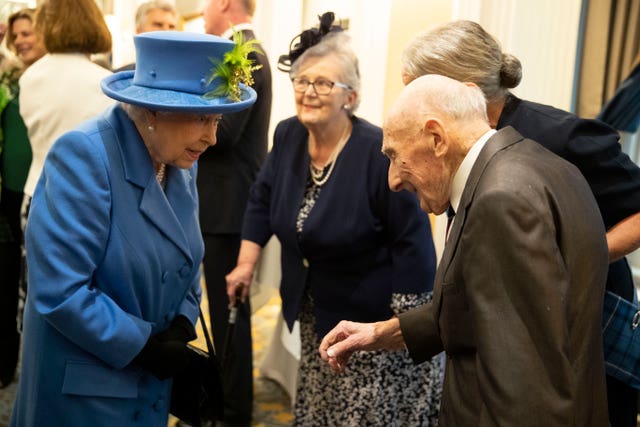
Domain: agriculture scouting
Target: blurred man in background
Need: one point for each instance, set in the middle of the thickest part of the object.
(225, 174)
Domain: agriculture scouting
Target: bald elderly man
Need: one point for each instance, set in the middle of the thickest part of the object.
(518, 293)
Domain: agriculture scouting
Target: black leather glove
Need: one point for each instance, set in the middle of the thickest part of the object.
(164, 359)
(180, 329)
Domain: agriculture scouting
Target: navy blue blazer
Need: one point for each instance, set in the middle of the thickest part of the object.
(594, 148)
(361, 242)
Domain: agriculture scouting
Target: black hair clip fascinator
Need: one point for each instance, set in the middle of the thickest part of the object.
(307, 39)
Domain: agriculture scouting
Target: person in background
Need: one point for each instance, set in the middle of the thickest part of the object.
(15, 158)
(154, 15)
(350, 247)
(464, 51)
(114, 246)
(519, 290)
(65, 77)
(225, 175)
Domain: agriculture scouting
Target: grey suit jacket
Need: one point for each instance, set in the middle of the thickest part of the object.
(518, 295)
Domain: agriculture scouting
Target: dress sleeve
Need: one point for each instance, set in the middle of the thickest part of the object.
(420, 333)
(66, 237)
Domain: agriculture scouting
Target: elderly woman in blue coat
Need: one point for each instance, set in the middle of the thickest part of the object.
(114, 246)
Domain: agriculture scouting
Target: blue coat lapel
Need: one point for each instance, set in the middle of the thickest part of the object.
(166, 211)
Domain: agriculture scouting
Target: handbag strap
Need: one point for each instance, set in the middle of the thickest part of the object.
(207, 337)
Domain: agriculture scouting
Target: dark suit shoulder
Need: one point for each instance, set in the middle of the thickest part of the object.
(524, 159)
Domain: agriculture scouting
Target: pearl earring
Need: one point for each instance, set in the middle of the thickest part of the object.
(346, 107)
(151, 128)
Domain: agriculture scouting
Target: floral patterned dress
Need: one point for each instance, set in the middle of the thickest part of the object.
(379, 388)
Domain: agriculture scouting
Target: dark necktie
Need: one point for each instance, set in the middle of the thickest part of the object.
(450, 214)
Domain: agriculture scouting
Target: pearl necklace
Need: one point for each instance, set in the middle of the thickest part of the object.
(160, 174)
(316, 173)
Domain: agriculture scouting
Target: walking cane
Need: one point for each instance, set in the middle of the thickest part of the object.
(231, 324)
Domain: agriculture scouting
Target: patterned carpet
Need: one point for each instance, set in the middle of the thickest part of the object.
(271, 403)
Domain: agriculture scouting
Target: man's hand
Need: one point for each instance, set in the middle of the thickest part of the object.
(348, 337)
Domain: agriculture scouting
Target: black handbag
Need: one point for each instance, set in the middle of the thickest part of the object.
(197, 393)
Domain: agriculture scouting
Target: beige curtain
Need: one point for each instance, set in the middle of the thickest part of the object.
(611, 45)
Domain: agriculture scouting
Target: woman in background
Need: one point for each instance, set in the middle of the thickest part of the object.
(62, 89)
(15, 159)
(351, 248)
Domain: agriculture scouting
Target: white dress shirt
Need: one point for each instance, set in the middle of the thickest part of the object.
(457, 187)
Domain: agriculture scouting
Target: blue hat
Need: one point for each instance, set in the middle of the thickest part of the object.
(172, 70)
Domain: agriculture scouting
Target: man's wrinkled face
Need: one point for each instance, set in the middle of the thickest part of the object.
(414, 166)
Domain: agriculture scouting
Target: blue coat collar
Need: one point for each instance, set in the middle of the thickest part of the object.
(167, 210)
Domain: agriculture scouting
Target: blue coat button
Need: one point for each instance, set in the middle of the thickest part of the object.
(184, 271)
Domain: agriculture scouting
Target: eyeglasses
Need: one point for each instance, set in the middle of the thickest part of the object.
(321, 86)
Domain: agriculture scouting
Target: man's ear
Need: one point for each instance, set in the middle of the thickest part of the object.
(437, 134)
(223, 5)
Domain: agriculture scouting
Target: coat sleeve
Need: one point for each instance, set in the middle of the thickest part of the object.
(516, 284)
(66, 237)
(613, 177)
(420, 333)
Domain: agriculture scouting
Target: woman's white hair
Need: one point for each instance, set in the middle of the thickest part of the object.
(337, 44)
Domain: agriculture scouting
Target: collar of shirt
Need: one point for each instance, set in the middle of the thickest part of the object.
(237, 27)
(462, 174)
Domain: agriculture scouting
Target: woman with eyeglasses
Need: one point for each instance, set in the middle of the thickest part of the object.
(351, 248)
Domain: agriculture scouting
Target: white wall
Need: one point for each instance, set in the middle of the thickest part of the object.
(121, 22)
(276, 22)
(369, 31)
(543, 34)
